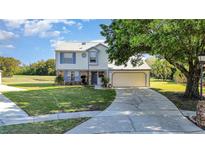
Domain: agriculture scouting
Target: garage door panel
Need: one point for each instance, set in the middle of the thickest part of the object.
(126, 79)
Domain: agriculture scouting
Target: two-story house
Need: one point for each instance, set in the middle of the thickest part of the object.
(88, 62)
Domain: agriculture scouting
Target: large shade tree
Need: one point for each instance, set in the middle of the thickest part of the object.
(178, 41)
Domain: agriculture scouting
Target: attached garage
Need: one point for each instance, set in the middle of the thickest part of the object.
(129, 79)
(129, 76)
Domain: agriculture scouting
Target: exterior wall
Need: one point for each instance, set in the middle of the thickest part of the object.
(102, 58)
(147, 76)
(81, 62)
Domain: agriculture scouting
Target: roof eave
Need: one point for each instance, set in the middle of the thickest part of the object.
(129, 69)
(97, 45)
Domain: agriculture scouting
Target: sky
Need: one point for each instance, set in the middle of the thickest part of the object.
(33, 40)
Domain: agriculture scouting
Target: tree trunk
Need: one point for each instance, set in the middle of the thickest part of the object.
(192, 86)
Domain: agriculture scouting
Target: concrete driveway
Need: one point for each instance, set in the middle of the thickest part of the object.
(140, 110)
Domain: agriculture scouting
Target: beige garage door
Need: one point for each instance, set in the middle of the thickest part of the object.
(129, 79)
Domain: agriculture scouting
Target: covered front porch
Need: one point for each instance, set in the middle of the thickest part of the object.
(91, 77)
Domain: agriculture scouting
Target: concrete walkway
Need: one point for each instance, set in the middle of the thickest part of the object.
(48, 117)
(5, 88)
(138, 111)
(9, 109)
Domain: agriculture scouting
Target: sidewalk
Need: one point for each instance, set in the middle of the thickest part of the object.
(9, 109)
(4, 88)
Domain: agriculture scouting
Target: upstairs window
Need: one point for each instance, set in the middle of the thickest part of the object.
(93, 57)
(68, 58)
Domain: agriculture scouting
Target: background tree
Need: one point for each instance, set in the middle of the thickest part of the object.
(39, 68)
(162, 69)
(179, 77)
(9, 66)
(51, 67)
(178, 41)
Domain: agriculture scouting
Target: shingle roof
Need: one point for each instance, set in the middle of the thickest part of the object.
(129, 66)
(75, 46)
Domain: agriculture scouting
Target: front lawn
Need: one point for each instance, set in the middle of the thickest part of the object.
(16, 79)
(45, 98)
(48, 127)
(174, 92)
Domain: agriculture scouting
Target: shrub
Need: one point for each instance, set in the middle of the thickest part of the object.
(179, 77)
(59, 80)
(105, 81)
(83, 80)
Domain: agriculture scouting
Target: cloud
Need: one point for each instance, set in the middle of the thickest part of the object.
(40, 28)
(50, 34)
(8, 46)
(5, 35)
(14, 23)
(87, 20)
(70, 22)
(55, 42)
(44, 28)
(79, 25)
(100, 40)
(65, 30)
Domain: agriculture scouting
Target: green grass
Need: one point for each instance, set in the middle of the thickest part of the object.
(174, 91)
(47, 98)
(49, 127)
(16, 79)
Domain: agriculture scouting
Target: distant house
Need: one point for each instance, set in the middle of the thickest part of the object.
(88, 62)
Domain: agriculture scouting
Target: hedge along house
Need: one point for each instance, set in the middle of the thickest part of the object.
(88, 61)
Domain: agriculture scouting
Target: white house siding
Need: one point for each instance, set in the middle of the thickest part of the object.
(81, 62)
(102, 58)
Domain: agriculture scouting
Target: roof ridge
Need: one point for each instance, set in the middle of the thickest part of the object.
(81, 42)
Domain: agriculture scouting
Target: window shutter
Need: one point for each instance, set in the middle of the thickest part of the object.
(61, 58)
(74, 58)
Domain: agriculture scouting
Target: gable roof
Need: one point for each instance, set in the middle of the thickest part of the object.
(129, 66)
(76, 46)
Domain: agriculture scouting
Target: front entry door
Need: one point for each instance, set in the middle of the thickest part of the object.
(94, 78)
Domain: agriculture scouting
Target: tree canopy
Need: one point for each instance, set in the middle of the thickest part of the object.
(178, 41)
(39, 68)
(9, 66)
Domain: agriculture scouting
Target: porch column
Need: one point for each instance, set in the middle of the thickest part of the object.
(89, 77)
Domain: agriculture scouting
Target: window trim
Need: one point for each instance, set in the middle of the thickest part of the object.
(93, 63)
(73, 59)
